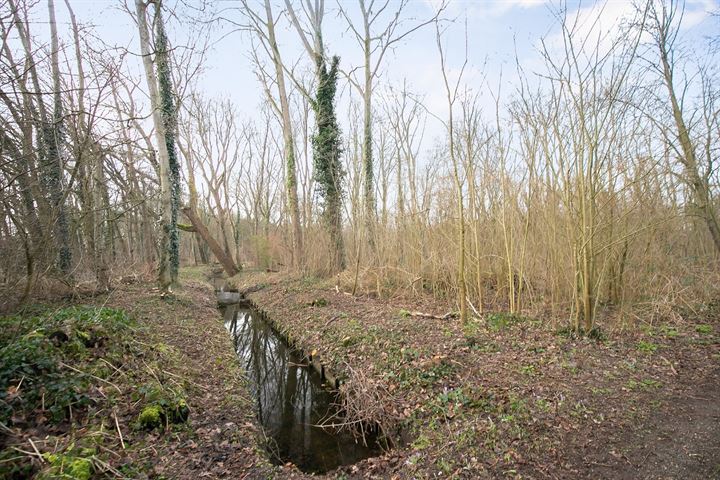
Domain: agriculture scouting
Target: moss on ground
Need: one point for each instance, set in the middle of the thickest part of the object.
(151, 417)
(72, 366)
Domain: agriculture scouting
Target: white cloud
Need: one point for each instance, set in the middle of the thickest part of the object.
(485, 9)
(698, 10)
(603, 21)
(597, 24)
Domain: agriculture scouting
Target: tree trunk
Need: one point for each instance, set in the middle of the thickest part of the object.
(168, 113)
(54, 159)
(368, 166)
(225, 260)
(192, 188)
(288, 141)
(96, 183)
(698, 186)
(164, 277)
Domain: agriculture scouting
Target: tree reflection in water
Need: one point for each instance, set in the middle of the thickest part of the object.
(290, 398)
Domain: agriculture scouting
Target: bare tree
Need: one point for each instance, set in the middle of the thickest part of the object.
(326, 142)
(375, 41)
(264, 30)
(55, 149)
(665, 20)
(451, 95)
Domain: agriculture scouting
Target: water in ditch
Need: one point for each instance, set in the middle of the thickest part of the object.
(291, 399)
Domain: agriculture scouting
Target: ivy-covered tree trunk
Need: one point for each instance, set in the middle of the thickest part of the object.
(168, 112)
(326, 141)
(367, 153)
(326, 157)
(165, 277)
(54, 136)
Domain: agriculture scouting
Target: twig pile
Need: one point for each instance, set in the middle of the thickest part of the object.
(367, 405)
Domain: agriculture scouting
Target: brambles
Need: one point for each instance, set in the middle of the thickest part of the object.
(318, 302)
(150, 417)
(704, 329)
(73, 464)
(645, 384)
(596, 333)
(503, 320)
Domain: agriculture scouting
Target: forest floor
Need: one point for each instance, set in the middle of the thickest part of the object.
(87, 424)
(506, 397)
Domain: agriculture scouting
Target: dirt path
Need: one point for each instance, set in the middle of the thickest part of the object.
(680, 438)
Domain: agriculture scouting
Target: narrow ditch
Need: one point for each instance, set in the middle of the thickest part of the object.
(292, 399)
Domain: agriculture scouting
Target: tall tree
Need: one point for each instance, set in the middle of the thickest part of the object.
(375, 41)
(93, 190)
(326, 141)
(326, 158)
(55, 138)
(265, 32)
(18, 145)
(451, 95)
(166, 269)
(168, 113)
(48, 149)
(664, 26)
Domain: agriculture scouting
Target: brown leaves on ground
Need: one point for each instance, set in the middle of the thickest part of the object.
(514, 401)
